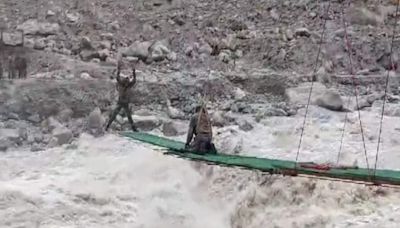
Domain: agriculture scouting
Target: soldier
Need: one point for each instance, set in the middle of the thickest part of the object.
(200, 126)
(123, 87)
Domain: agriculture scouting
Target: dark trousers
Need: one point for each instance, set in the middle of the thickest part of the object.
(203, 144)
(127, 112)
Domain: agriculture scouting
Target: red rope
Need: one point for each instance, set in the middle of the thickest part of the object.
(312, 82)
(386, 86)
(349, 51)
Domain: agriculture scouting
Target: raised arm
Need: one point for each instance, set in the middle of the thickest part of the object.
(133, 82)
(118, 72)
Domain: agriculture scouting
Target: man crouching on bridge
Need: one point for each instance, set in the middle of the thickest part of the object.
(200, 126)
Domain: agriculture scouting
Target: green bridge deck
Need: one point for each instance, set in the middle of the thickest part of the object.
(272, 166)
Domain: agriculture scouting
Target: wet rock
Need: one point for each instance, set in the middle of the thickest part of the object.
(299, 94)
(273, 111)
(11, 135)
(218, 119)
(63, 135)
(4, 145)
(50, 124)
(171, 128)
(36, 148)
(146, 123)
(330, 100)
(244, 125)
(33, 27)
(175, 113)
(95, 122)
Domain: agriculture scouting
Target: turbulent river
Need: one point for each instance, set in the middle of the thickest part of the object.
(111, 181)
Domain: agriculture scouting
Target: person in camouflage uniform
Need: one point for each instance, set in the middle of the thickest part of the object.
(200, 126)
(123, 87)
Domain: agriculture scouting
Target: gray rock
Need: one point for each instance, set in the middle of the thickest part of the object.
(245, 125)
(224, 56)
(302, 32)
(103, 54)
(105, 44)
(63, 135)
(218, 119)
(4, 145)
(138, 49)
(11, 135)
(330, 100)
(363, 16)
(87, 55)
(95, 120)
(299, 94)
(72, 17)
(159, 51)
(86, 43)
(33, 27)
(50, 124)
(40, 44)
(36, 148)
(146, 123)
(65, 115)
(205, 49)
(170, 129)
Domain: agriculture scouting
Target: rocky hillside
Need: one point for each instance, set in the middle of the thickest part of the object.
(245, 55)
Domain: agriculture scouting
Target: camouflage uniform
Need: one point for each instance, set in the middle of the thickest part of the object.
(202, 142)
(123, 87)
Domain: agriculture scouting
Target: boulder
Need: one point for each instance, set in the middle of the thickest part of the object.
(299, 94)
(65, 115)
(218, 119)
(175, 113)
(34, 27)
(63, 135)
(244, 125)
(95, 121)
(87, 55)
(50, 124)
(302, 32)
(86, 43)
(138, 49)
(146, 123)
(331, 100)
(159, 51)
(39, 44)
(171, 128)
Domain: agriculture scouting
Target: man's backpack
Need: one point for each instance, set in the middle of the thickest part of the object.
(203, 122)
